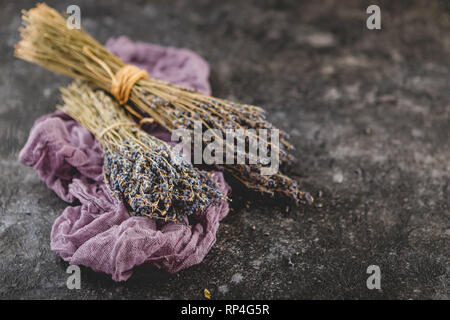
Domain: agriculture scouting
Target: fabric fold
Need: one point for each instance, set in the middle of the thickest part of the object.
(96, 230)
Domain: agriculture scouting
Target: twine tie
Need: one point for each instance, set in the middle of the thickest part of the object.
(123, 80)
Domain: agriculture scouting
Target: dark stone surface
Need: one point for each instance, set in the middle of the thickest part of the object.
(369, 114)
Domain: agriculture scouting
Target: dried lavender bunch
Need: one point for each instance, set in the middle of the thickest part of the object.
(152, 178)
(48, 42)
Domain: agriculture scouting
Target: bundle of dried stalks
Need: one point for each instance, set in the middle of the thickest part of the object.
(48, 42)
(151, 177)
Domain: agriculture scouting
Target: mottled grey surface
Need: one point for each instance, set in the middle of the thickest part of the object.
(369, 114)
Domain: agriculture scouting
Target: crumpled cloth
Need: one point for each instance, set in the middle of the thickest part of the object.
(96, 230)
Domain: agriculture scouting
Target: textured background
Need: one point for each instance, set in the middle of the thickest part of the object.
(369, 114)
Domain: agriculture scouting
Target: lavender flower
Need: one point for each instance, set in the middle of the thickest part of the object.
(159, 184)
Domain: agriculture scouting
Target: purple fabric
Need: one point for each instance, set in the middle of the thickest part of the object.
(178, 66)
(98, 232)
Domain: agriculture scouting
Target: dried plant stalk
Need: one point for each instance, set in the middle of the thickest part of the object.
(152, 178)
(48, 42)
